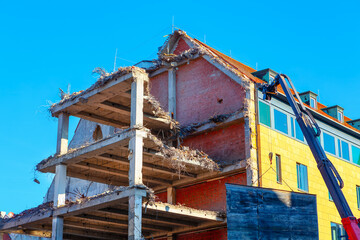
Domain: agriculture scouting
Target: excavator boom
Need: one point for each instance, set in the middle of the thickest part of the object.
(311, 132)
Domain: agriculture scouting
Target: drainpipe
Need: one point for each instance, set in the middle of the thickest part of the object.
(258, 153)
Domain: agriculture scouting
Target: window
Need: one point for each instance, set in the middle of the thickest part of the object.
(345, 154)
(343, 150)
(358, 196)
(302, 177)
(278, 169)
(355, 154)
(264, 111)
(338, 232)
(329, 143)
(292, 122)
(340, 116)
(298, 132)
(312, 102)
(280, 120)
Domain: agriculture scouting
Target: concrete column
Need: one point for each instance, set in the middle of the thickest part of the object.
(136, 157)
(171, 195)
(135, 216)
(172, 92)
(250, 136)
(60, 175)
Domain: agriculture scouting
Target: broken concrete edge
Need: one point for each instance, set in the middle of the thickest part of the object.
(178, 157)
(182, 209)
(48, 210)
(103, 79)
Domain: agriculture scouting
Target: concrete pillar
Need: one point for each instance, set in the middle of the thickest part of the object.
(250, 136)
(172, 92)
(171, 195)
(60, 175)
(136, 157)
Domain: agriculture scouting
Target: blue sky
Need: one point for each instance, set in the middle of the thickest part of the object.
(46, 45)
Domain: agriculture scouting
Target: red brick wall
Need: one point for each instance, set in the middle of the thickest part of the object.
(218, 234)
(225, 146)
(181, 46)
(208, 196)
(203, 91)
(159, 89)
(161, 197)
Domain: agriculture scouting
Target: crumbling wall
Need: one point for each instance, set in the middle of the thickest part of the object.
(225, 146)
(203, 91)
(159, 89)
(181, 46)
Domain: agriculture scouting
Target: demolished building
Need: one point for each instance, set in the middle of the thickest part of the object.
(157, 142)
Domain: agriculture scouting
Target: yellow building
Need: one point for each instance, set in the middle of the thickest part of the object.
(286, 162)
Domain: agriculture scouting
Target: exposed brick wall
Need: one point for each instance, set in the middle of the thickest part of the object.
(159, 89)
(203, 91)
(208, 196)
(181, 46)
(225, 146)
(218, 234)
(161, 197)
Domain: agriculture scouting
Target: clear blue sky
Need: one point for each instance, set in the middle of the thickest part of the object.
(46, 45)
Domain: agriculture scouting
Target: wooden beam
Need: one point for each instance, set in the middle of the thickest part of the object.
(124, 110)
(96, 227)
(121, 139)
(148, 166)
(98, 203)
(117, 172)
(60, 107)
(103, 120)
(120, 222)
(150, 217)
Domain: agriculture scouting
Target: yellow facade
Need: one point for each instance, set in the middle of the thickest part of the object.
(292, 152)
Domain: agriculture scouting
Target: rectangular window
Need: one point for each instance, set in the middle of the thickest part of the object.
(339, 148)
(358, 196)
(298, 132)
(302, 177)
(355, 154)
(264, 111)
(278, 169)
(292, 128)
(340, 116)
(329, 143)
(338, 232)
(345, 150)
(280, 120)
(312, 102)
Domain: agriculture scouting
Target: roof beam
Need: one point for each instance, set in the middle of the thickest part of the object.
(148, 166)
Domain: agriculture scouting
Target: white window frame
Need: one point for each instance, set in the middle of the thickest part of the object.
(315, 102)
